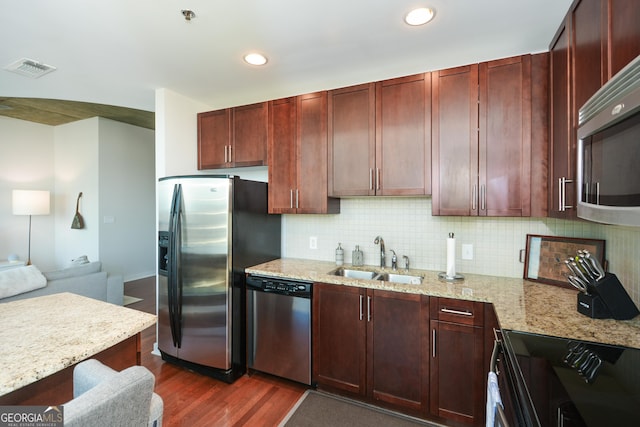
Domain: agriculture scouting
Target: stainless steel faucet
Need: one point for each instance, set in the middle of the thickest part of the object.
(394, 260)
(379, 240)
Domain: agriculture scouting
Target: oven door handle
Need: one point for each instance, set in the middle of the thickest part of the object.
(497, 348)
(495, 410)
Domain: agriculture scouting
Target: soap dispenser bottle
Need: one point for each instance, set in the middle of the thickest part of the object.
(339, 255)
(357, 257)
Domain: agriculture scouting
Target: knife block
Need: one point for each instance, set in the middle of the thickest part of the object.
(592, 305)
(607, 295)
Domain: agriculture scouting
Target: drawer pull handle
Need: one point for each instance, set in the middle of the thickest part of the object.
(458, 312)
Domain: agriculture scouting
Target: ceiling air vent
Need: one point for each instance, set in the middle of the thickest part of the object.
(30, 68)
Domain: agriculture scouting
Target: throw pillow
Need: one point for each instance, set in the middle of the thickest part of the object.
(81, 270)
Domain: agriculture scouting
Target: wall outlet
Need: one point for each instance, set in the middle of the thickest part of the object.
(313, 242)
(467, 251)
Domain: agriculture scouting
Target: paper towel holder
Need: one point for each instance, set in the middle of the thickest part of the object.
(456, 276)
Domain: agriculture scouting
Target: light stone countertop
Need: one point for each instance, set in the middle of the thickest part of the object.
(520, 304)
(43, 335)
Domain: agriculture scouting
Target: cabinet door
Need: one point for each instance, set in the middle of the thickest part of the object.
(282, 155)
(250, 129)
(624, 33)
(352, 141)
(339, 338)
(397, 349)
(455, 141)
(311, 195)
(214, 136)
(403, 136)
(505, 137)
(457, 372)
(562, 143)
(589, 64)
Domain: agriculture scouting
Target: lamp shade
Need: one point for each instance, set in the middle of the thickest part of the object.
(30, 202)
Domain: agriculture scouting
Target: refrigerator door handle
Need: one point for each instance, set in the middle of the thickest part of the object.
(172, 265)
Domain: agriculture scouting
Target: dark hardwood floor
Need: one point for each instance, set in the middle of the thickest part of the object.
(192, 399)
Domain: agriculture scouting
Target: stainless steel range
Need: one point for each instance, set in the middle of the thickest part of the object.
(551, 381)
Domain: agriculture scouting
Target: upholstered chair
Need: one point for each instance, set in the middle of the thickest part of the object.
(104, 397)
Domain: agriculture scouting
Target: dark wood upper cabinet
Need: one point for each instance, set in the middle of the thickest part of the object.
(403, 136)
(623, 33)
(455, 141)
(214, 135)
(352, 149)
(482, 146)
(298, 156)
(562, 140)
(380, 138)
(233, 137)
(282, 155)
(505, 137)
(250, 129)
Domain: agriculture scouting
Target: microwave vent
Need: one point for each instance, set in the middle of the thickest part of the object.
(624, 82)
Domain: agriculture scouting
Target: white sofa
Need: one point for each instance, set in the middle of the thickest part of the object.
(86, 279)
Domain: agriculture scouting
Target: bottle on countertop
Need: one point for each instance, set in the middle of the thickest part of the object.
(357, 257)
(339, 255)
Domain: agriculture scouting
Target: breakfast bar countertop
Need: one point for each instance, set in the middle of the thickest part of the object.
(44, 335)
(520, 304)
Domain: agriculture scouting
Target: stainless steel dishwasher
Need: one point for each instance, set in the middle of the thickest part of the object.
(279, 327)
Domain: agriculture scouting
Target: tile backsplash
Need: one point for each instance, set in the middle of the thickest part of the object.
(408, 228)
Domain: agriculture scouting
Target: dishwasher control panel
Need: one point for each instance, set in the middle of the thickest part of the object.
(278, 285)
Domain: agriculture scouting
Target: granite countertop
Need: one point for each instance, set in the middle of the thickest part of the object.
(520, 304)
(43, 335)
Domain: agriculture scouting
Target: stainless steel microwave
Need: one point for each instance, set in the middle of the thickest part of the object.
(608, 160)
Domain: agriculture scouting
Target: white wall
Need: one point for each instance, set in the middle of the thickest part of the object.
(112, 163)
(127, 199)
(77, 164)
(26, 153)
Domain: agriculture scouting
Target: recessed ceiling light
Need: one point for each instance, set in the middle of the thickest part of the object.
(420, 16)
(255, 59)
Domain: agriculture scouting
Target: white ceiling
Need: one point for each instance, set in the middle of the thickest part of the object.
(118, 52)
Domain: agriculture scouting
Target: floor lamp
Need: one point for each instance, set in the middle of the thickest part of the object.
(30, 202)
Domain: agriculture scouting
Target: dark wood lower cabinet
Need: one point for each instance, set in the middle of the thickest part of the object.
(397, 350)
(419, 355)
(457, 372)
(372, 345)
(339, 338)
(458, 369)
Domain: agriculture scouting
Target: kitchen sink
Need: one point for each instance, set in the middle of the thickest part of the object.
(407, 279)
(355, 274)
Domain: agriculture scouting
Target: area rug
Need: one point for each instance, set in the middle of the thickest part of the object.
(130, 300)
(318, 409)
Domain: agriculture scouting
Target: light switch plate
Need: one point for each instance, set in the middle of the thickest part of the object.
(313, 242)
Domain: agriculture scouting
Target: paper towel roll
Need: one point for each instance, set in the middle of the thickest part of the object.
(451, 256)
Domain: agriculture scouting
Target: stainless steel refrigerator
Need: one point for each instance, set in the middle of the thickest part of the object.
(210, 228)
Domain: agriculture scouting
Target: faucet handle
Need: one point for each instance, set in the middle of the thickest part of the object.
(394, 260)
(406, 262)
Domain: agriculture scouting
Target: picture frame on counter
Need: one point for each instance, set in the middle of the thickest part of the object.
(545, 257)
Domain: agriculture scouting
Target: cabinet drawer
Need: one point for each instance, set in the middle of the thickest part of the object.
(457, 311)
